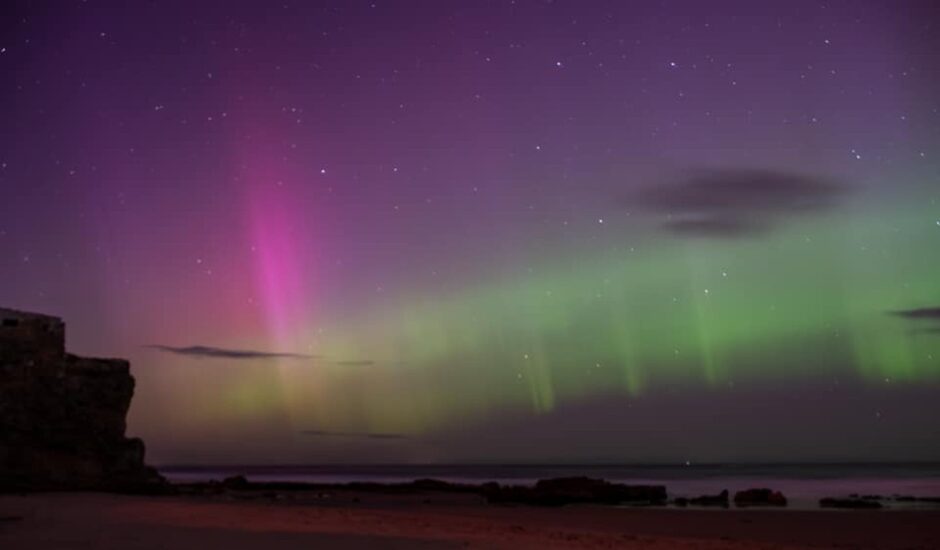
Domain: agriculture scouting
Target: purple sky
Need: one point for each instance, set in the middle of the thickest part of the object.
(552, 212)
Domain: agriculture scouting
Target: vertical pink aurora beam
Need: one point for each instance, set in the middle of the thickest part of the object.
(280, 253)
(276, 265)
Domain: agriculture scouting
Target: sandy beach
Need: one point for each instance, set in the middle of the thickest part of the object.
(351, 520)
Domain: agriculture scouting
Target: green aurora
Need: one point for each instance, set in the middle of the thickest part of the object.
(813, 300)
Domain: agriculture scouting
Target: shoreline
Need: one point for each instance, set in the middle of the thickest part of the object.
(908, 485)
(357, 519)
(567, 491)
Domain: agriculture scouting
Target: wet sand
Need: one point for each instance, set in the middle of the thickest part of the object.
(351, 520)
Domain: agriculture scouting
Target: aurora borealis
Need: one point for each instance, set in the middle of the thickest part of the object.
(483, 231)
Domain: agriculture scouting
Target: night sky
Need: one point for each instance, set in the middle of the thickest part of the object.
(523, 231)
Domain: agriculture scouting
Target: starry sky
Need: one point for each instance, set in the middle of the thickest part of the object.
(517, 231)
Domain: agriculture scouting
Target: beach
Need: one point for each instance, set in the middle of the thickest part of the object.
(432, 520)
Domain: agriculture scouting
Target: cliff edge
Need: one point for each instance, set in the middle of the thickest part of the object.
(63, 417)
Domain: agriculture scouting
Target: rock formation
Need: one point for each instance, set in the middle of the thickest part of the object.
(575, 490)
(850, 503)
(721, 499)
(759, 497)
(62, 417)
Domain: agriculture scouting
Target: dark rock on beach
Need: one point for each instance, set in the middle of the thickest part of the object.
(63, 417)
(720, 500)
(574, 490)
(236, 483)
(925, 500)
(867, 497)
(241, 484)
(851, 503)
(759, 497)
(548, 492)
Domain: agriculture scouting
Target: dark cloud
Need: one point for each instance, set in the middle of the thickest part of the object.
(732, 203)
(918, 316)
(929, 313)
(222, 353)
(362, 435)
(355, 363)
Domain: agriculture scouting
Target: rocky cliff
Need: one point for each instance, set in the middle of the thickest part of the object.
(62, 417)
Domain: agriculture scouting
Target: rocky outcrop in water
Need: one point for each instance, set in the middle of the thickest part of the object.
(850, 503)
(546, 492)
(62, 417)
(575, 490)
(721, 500)
(759, 497)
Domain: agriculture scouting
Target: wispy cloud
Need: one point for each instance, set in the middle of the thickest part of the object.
(360, 435)
(354, 363)
(224, 353)
(210, 352)
(736, 202)
(928, 313)
(922, 320)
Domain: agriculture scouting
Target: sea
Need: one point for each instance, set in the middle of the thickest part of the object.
(803, 484)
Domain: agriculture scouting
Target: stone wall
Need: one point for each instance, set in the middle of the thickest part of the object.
(63, 417)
